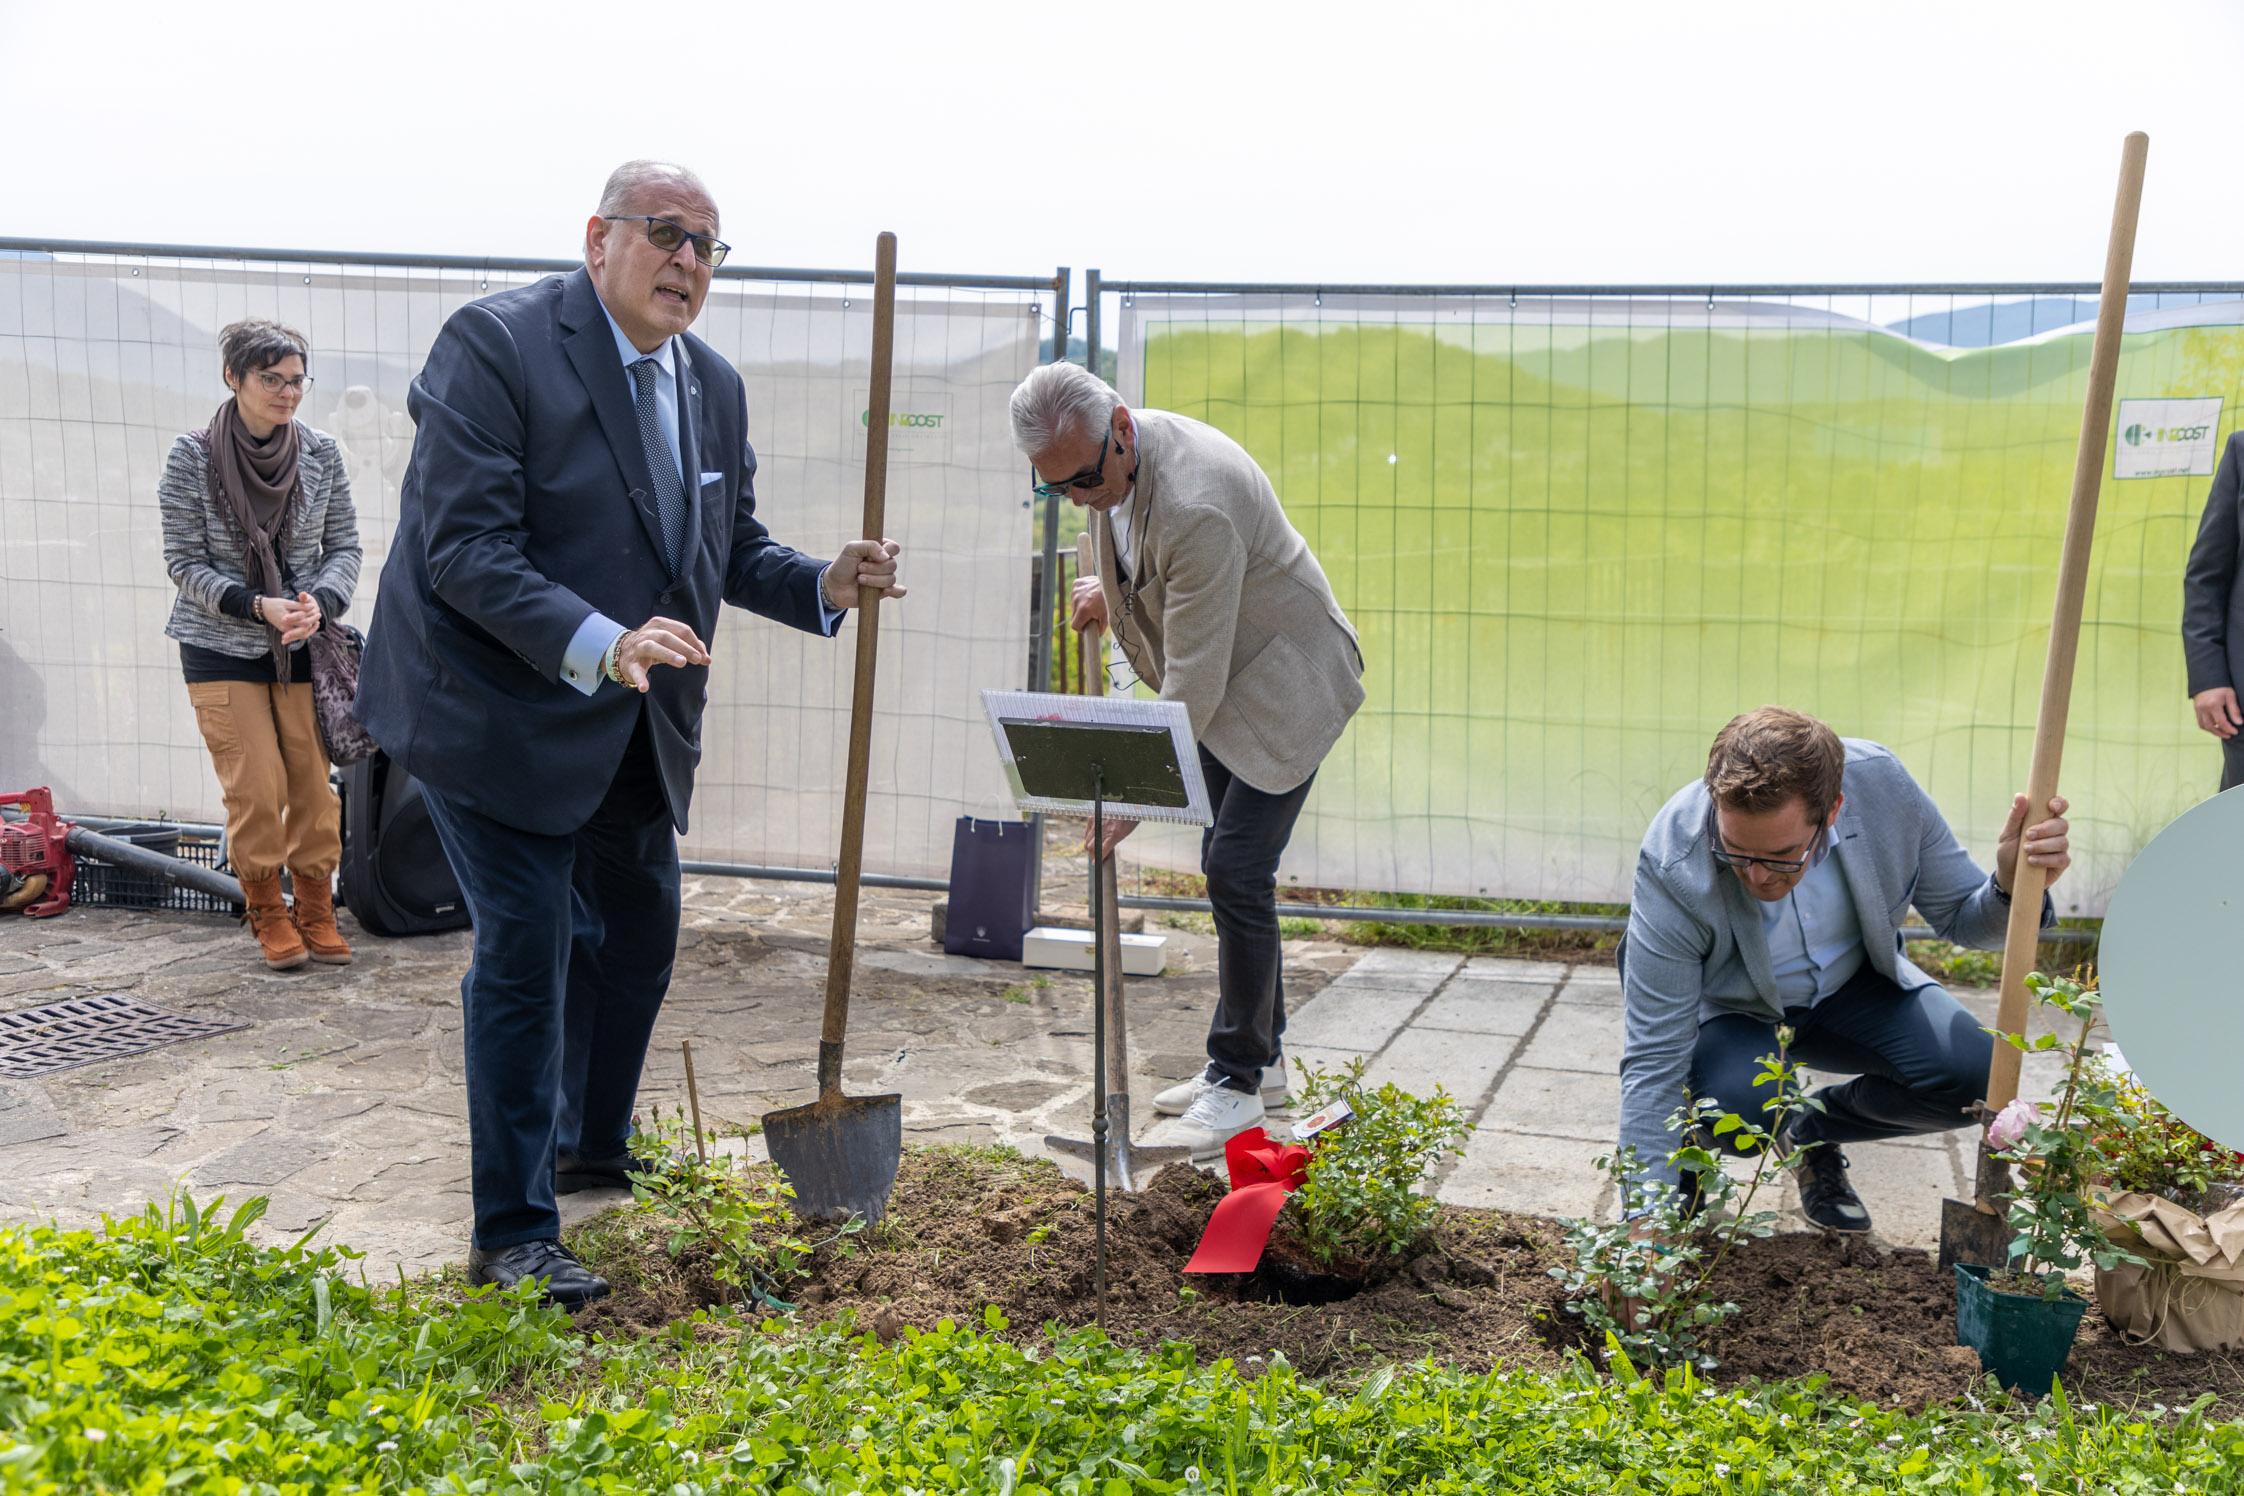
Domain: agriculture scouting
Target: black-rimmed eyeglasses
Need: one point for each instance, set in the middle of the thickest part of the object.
(1730, 859)
(1092, 479)
(667, 236)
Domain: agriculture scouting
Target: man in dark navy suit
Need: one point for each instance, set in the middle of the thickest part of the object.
(2213, 613)
(581, 498)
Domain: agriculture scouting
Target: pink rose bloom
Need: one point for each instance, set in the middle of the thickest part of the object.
(2010, 1124)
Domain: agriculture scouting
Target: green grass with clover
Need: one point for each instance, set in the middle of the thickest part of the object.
(169, 1353)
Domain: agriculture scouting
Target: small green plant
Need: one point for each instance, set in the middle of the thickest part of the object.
(1360, 1197)
(1644, 1283)
(1017, 994)
(2060, 1157)
(1957, 965)
(2150, 1150)
(743, 1221)
(1301, 929)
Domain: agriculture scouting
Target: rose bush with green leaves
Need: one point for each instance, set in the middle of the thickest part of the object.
(2062, 1157)
(1361, 1197)
(1642, 1284)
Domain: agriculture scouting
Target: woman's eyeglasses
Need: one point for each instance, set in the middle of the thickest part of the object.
(667, 236)
(273, 383)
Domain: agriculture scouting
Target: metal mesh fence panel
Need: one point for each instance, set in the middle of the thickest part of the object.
(104, 358)
(1580, 532)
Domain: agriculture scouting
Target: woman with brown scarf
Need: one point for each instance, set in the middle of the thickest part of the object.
(262, 541)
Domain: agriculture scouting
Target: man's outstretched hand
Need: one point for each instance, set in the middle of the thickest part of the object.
(863, 563)
(2048, 844)
(658, 641)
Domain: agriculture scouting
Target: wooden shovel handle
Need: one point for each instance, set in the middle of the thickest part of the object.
(1092, 639)
(2023, 937)
(841, 949)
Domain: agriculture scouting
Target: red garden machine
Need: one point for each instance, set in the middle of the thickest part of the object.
(39, 851)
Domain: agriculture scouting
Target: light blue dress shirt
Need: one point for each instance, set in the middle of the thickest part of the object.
(1815, 935)
(580, 662)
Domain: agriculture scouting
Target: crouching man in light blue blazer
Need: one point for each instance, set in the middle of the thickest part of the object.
(1773, 891)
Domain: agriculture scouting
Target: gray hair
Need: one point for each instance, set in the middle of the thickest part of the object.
(627, 180)
(1056, 399)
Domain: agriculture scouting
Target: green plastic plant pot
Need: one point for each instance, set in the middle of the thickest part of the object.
(2022, 1338)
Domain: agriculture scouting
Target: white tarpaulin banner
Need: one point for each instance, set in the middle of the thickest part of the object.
(104, 359)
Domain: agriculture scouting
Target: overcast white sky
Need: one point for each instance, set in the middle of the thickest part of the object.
(1396, 141)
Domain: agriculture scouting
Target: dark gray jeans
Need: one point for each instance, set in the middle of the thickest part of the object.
(1918, 1060)
(1239, 855)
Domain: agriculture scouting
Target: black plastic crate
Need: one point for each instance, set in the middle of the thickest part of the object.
(104, 885)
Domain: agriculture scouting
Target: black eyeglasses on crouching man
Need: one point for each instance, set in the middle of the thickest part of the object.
(667, 236)
(1730, 859)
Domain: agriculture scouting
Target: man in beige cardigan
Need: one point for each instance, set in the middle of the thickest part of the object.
(1218, 604)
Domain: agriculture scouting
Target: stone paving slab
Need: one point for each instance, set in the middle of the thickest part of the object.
(1522, 1172)
(1475, 1006)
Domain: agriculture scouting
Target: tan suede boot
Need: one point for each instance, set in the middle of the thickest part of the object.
(315, 920)
(268, 917)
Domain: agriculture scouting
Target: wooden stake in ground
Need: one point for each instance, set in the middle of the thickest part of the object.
(1963, 1238)
(693, 1099)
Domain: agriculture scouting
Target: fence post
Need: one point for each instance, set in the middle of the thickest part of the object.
(1040, 585)
(1091, 289)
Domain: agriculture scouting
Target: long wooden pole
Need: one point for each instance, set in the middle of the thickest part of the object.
(2023, 938)
(841, 948)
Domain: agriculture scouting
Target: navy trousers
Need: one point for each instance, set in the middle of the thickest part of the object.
(575, 937)
(1918, 1059)
(1239, 855)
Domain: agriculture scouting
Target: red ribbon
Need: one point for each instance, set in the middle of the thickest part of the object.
(1263, 1173)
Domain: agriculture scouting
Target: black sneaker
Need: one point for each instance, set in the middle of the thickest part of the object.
(567, 1282)
(1826, 1199)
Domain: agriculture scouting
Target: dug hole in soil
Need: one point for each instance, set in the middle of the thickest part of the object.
(969, 1228)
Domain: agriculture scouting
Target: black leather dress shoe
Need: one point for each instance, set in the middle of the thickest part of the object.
(568, 1282)
(571, 1173)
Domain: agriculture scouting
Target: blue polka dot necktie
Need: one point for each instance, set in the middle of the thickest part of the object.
(670, 494)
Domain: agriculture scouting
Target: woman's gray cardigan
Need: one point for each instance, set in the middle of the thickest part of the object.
(203, 547)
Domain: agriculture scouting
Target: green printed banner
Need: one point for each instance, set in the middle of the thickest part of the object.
(1578, 536)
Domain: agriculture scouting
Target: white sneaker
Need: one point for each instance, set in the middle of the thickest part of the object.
(1276, 1084)
(1215, 1118)
(1178, 1099)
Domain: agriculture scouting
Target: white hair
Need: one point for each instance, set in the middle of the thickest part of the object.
(626, 182)
(1057, 399)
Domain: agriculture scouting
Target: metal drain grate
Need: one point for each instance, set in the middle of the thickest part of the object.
(88, 1030)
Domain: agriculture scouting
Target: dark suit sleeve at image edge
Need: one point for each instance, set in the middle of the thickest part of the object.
(2209, 583)
(467, 460)
(764, 576)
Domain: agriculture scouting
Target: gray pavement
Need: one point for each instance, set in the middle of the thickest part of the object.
(343, 1100)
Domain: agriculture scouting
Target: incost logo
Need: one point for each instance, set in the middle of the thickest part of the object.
(2138, 434)
(925, 420)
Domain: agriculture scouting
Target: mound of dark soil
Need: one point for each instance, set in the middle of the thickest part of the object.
(970, 1228)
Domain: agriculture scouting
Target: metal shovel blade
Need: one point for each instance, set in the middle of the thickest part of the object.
(840, 1153)
(1971, 1234)
(1977, 1230)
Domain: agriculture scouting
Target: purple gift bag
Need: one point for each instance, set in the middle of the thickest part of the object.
(993, 888)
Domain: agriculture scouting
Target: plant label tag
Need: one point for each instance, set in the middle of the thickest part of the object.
(1324, 1121)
